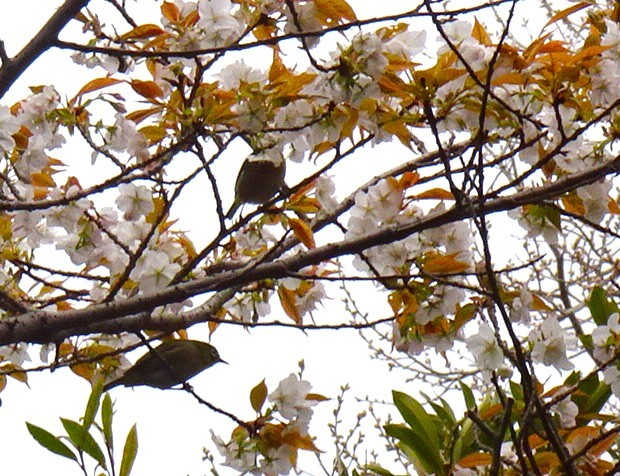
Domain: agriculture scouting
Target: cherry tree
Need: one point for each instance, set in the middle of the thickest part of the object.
(450, 182)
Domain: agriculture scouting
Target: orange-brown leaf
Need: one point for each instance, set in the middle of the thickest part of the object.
(141, 114)
(491, 412)
(85, 371)
(304, 204)
(303, 232)
(191, 18)
(147, 89)
(480, 33)
(546, 461)
(15, 372)
(409, 179)
(20, 376)
(171, 12)
(462, 316)
(98, 83)
(154, 133)
(602, 446)
(278, 70)
(263, 31)
(42, 179)
(258, 395)
(41, 193)
(532, 50)
(509, 78)
(573, 203)
(288, 300)
(398, 127)
(475, 459)
(335, 10)
(63, 306)
(562, 14)
(299, 441)
(315, 397)
(435, 194)
(538, 304)
(143, 31)
(553, 46)
(535, 441)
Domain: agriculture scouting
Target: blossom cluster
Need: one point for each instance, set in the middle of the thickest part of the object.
(383, 206)
(278, 434)
(606, 340)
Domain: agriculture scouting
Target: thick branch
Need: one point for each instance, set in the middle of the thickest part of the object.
(38, 326)
(46, 37)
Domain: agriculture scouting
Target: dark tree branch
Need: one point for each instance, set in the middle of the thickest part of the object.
(38, 326)
(46, 37)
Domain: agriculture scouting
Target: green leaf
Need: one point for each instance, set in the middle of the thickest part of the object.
(129, 451)
(468, 395)
(573, 379)
(83, 440)
(592, 396)
(258, 395)
(374, 468)
(93, 404)
(417, 418)
(517, 391)
(443, 411)
(465, 441)
(601, 307)
(448, 410)
(586, 340)
(545, 213)
(417, 448)
(106, 419)
(50, 442)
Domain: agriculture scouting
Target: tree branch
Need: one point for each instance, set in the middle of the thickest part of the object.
(38, 326)
(46, 37)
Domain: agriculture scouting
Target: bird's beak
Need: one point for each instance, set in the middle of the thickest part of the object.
(223, 361)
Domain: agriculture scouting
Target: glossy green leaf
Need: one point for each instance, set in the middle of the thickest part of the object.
(93, 404)
(376, 469)
(517, 391)
(596, 397)
(466, 441)
(573, 378)
(468, 395)
(586, 340)
(50, 442)
(443, 411)
(419, 449)
(418, 419)
(601, 307)
(129, 452)
(83, 440)
(107, 413)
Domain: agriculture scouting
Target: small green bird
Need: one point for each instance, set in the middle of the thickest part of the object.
(169, 364)
(259, 179)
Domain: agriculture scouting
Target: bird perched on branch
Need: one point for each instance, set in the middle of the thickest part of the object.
(170, 363)
(261, 176)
